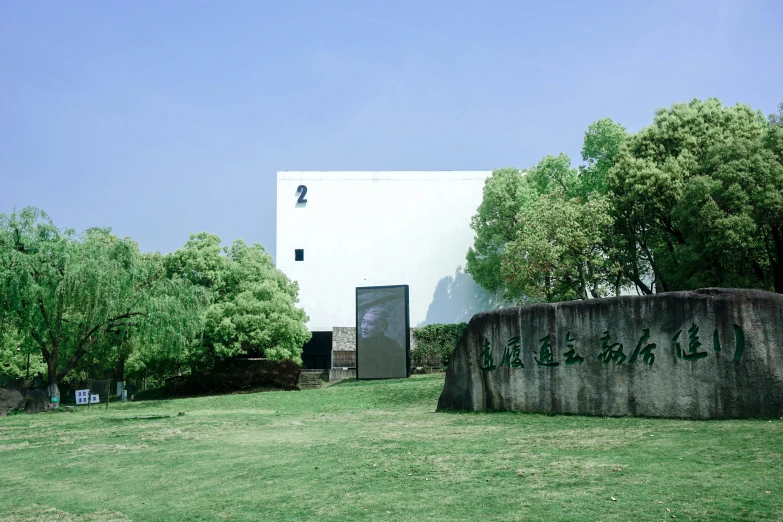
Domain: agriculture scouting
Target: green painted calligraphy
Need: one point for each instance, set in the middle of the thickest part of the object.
(547, 356)
(486, 363)
(571, 355)
(511, 354)
(739, 339)
(646, 352)
(739, 342)
(610, 352)
(693, 345)
(677, 347)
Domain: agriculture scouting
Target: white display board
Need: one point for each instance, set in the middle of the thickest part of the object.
(82, 396)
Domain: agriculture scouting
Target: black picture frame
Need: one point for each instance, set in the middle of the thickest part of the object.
(406, 294)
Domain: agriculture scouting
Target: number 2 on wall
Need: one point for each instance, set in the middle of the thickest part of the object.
(302, 190)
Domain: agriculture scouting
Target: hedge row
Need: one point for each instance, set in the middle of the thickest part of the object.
(437, 341)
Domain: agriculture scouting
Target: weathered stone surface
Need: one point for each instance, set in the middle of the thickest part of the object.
(729, 363)
(10, 400)
(343, 339)
(36, 401)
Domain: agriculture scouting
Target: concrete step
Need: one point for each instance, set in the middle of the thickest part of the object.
(313, 379)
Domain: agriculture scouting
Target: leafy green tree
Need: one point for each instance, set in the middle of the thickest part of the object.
(697, 199)
(19, 358)
(495, 224)
(776, 120)
(70, 292)
(554, 174)
(542, 235)
(602, 143)
(253, 305)
(558, 252)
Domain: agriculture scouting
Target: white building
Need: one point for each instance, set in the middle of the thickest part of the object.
(353, 229)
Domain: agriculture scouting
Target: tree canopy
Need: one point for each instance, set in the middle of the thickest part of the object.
(69, 293)
(92, 301)
(693, 200)
(541, 235)
(252, 304)
(698, 195)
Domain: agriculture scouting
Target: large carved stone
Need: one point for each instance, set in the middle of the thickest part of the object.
(706, 354)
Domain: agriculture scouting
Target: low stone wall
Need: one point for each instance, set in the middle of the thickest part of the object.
(343, 339)
(706, 354)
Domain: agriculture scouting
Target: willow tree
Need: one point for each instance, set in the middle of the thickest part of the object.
(71, 292)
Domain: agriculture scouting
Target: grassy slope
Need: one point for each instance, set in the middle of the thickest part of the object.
(377, 451)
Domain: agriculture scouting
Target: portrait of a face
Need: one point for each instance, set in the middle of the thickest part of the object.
(374, 322)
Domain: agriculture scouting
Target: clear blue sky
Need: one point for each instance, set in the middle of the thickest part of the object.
(160, 119)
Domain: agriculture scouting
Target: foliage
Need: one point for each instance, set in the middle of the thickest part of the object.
(602, 143)
(698, 199)
(776, 120)
(505, 192)
(253, 304)
(558, 252)
(437, 341)
(16, 351)
(543, 235)
(693, 200)
(238, 376)
(70, 293)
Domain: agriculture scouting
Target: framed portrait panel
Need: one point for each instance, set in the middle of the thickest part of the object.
(382, 332)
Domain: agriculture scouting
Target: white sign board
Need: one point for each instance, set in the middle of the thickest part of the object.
(95, 398)
(81, 396)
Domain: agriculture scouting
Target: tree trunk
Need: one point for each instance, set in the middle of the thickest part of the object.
(119, 376)
(52, 390)
(582, 283)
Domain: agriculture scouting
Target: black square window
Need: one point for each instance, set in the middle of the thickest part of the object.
(299, 254)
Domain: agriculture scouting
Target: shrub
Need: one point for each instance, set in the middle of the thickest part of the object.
(437, 341)
(239, 375)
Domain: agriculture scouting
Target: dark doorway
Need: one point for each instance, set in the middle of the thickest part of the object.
(317, 352)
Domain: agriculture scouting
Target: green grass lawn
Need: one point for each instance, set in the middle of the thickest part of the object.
(378, 451)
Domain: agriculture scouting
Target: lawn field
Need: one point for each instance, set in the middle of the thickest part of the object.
(378, 451)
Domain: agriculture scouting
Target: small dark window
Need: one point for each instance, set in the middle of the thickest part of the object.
(299, 254)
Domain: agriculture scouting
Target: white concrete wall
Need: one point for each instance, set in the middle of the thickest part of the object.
(380, 228)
